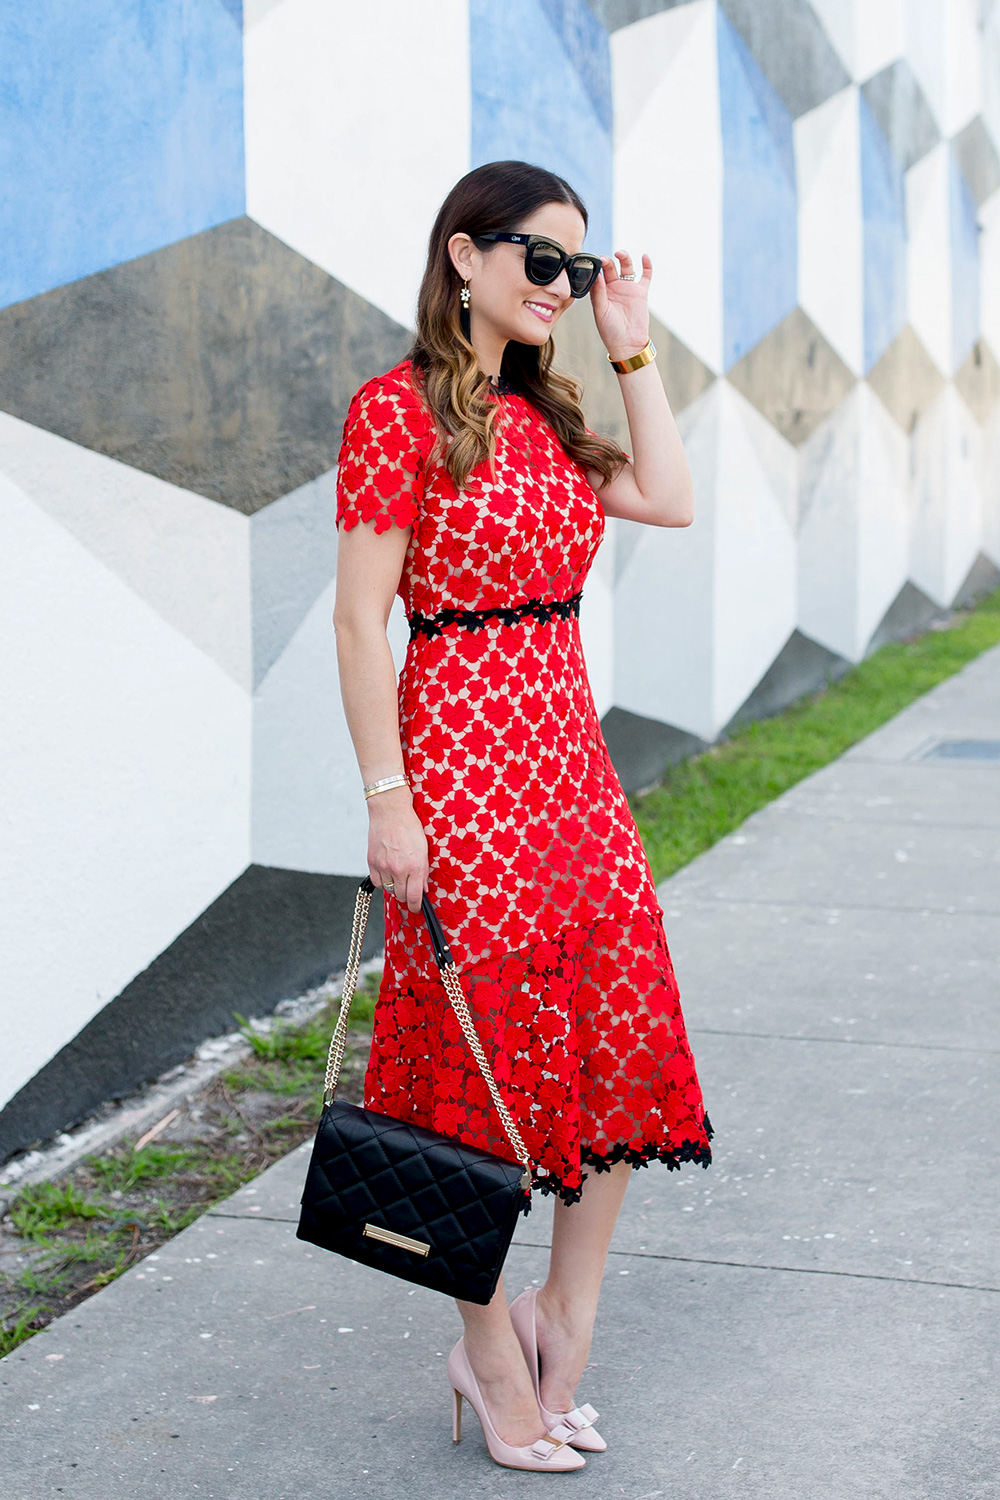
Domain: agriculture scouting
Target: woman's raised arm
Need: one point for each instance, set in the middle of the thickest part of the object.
(656, 486)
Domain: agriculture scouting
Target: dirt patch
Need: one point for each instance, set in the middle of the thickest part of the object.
(62, 1240)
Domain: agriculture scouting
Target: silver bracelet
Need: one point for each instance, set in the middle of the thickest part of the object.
(385, 785)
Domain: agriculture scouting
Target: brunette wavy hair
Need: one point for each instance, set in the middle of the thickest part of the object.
(498, 196)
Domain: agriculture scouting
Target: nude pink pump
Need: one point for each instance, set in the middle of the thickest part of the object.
(582, 1418)
(550, 1453)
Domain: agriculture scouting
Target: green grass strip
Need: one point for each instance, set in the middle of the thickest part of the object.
(709, 795)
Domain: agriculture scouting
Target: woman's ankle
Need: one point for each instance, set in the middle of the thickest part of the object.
(564, 1334)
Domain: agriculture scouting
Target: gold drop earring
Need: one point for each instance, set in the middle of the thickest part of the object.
(465, 297)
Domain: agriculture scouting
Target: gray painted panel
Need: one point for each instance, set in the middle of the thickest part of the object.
(227, 362)
(898, 104)
(788, 40)
(618, 13)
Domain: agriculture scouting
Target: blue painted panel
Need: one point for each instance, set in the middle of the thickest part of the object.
(759, 208)
(883, 210)
(586, 44)
(534, 101)
(964, 263)
(121, 130)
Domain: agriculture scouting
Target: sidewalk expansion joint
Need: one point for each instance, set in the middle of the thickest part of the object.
(755, 1265)
(903, 825)
(215, 1213)
(844, 1041)
(675, 898)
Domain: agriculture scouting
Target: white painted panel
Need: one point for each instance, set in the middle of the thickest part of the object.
(927, 207)
(831, 254)
(989, 271)
(947, 512)
(883, 513)
(925, 50)
(755, 585)
(962, 95)
(357, 126)
(664, 594)
(853, 540)
(668, 167)
(827, 550)
(991, 487)
(867, 34)
(308, 811)
(701, 612)
(879, 33)
(989, 73)
(124, 803)
(185, 556)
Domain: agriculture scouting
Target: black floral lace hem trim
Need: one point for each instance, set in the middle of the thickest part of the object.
(476, 619)
(673, 1157)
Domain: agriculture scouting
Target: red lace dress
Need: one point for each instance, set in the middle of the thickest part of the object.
(536, 868)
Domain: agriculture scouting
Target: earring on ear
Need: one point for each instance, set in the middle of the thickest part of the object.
(463, 317)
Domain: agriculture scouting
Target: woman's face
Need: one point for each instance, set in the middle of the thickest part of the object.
(505, 304)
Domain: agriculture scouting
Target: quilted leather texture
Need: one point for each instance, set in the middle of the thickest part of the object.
(462, 1202)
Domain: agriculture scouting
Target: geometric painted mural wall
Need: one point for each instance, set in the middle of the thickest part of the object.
(215, 217)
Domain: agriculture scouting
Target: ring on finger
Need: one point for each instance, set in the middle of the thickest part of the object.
(388, 885)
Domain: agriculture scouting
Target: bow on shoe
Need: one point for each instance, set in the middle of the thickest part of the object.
(580, 1417)
(557, 1438)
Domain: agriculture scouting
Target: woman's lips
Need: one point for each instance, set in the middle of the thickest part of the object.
(543, 310)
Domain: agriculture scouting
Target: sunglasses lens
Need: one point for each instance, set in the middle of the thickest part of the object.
(543, 263)
(583, 274)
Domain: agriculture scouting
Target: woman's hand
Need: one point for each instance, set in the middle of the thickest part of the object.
(621, 308)
(397, 847)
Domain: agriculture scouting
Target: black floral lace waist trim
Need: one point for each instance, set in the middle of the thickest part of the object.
(636, 1156)
(476, 619)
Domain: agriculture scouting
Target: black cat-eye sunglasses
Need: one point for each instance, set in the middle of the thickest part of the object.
(543, 261)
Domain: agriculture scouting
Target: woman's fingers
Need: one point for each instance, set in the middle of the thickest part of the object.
(405, 886)
(412, 892)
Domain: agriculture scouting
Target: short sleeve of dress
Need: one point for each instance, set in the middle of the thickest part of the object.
(387, 437)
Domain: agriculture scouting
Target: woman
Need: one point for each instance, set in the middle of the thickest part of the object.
(470, 485)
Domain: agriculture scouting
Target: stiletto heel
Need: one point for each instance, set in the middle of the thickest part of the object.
(582, 1418)
(456, 1416)
(550, 1452)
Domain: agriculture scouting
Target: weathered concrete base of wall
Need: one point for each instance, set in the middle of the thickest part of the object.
(272, 934)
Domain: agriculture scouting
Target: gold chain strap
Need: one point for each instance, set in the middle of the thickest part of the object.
(338, 1041)
(459, 1004)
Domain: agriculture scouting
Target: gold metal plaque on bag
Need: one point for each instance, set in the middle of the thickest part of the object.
(390, 1237)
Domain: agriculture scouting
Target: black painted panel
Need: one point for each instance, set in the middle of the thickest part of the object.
(272, 934)
(643, 749)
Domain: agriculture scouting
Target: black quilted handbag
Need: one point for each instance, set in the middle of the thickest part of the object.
(403, 1199)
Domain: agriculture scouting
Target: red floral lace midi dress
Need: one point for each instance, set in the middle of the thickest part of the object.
(536, 868)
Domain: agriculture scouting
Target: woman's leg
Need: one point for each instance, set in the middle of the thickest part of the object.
(567, 1303)
(499, 1367)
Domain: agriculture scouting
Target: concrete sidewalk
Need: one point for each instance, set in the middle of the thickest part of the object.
(816, 1317)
